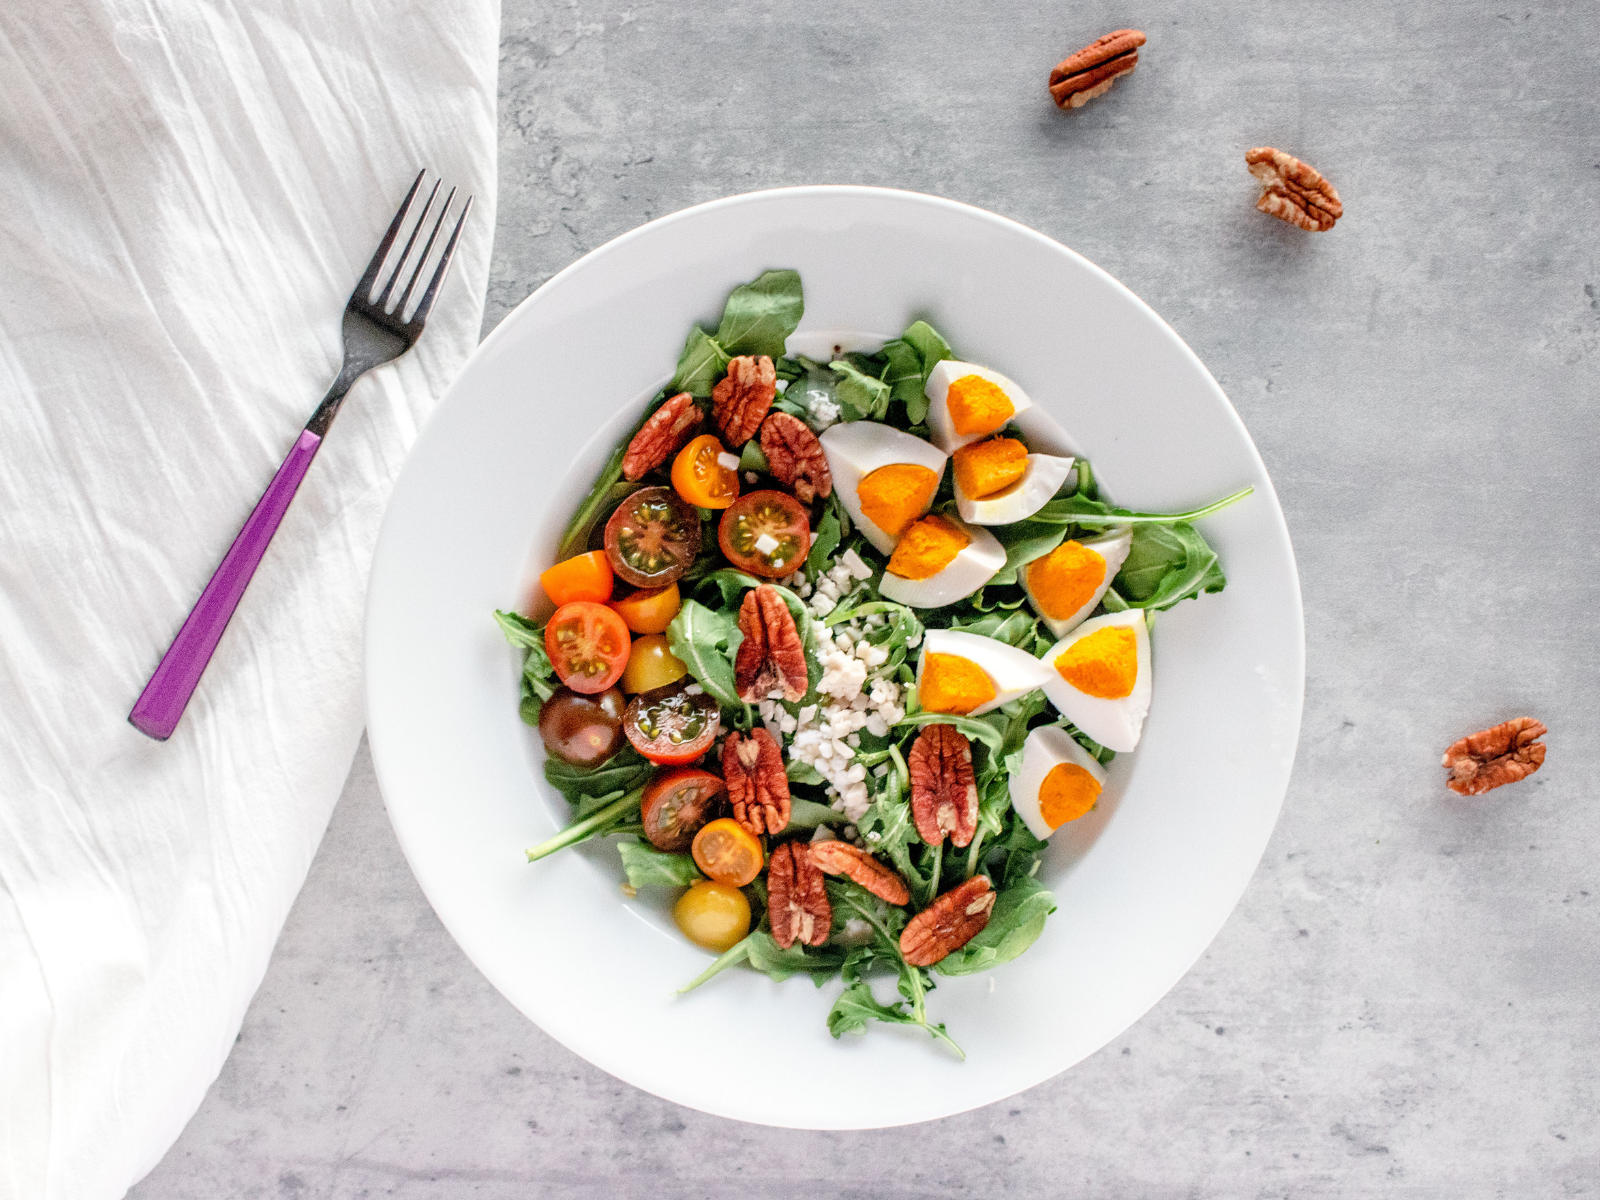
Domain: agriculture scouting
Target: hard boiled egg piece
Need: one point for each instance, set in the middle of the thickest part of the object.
(886, 478)
(1099, 678)
(998, 481)
(1065, 585)
(967, 402)
(938, 561)
(968, 674)
(1060, 781)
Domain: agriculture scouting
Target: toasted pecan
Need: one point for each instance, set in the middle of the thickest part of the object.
(949, 923)
(758, 789)
(1496, 756)
(666, 432)
(1293, 191)
(771, 657)
(797, 899)
(1079, 78)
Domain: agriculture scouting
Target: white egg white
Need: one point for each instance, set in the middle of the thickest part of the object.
(938, 388)
(1044, 434)
(1013, 672)
(1113, 723)
(1040, 480)
(1113, 547)
(1045, 749)
(972, 567)
(855, 449)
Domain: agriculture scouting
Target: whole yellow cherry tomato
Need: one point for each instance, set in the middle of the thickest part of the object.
(701, 478)
(713, 915)
(651, 664)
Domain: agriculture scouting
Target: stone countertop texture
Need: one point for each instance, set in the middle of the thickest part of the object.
(1404, 1004)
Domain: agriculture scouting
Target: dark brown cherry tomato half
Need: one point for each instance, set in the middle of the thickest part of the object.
(588, 645)
(766, 533)
(672, 726)
(652, 537)
(676, 804)
(582, 730)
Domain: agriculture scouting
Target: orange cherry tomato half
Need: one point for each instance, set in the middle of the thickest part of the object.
(701, 478)
(766, 534)
(587, 577)
(649, 610)
(676, 804)
(651, 665)
(728, 852)
(588, 646)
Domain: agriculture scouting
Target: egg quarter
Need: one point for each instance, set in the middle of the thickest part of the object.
(886, 478)
(983, 403)
(1041, 478)
(968, 674)
(940, 568)
(1065, 584)
(1100, 677)
(1059, 781)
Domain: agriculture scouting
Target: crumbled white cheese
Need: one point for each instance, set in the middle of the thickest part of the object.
(766, 544)
(729, 462)
(855, 567)
(751, 477)
(782, 386)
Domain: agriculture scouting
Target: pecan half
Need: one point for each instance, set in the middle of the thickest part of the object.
(740, 402)
(771, 658)
(1080, 77)
(796, 897)
(1293, 191)
(758, 790)
(796, 457)
(1493, 757)
(859, 866)
(944, 797)
(949, 923)
(666, 432)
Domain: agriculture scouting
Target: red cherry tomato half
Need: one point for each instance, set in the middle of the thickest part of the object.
(676, 804)
(766, 533)
(652, 537)
(588, 645)
(672, 726)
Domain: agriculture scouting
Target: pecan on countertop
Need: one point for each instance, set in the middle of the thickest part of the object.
(1080, 77)
(1494, 757)
(1293, 191)
(771, 658)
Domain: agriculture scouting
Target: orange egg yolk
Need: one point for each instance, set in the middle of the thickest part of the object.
(894, 496)
(928, 547)
(1104, 664)
(985, 468)
(977, 406)
(1066, 579)
(952, 684)
(1067, 792)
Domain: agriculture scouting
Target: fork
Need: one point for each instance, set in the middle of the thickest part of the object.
(374, 334)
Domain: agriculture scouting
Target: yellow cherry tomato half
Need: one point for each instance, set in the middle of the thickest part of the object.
(651, 665)
(586, 577)
(649, 610)
(728, 852)
(713, 915)
(700, 475)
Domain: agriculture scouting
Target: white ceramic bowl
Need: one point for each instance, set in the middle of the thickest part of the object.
(1143, 884)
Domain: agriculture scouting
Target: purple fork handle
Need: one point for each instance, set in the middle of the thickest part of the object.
(167, 694)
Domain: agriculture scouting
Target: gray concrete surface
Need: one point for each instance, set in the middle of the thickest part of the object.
(1404, 1003)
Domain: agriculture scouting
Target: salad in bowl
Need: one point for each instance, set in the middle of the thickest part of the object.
(834, 645)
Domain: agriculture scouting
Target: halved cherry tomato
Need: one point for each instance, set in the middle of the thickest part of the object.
(651, 665)
(713, 915)
(766, 533)
(671, 726)
(701, 478)
(676, 803)
(649, 610)
(586, 577)
(728, 852)
(582, 730)
(652, 537)
(588, 646)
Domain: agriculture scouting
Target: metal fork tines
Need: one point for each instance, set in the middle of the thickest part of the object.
(378, 328)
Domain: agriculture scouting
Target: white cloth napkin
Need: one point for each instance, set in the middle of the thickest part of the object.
(188, 192)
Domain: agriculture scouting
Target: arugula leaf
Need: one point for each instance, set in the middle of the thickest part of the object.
(706, 640)
(731, 583)
(808, 814)
(576, 536)
(823, 544)
(1022, 852)
(753, 458)
(973, 727)
(623, 771)
(766, 955)
(538, 676)
(1166, 564)
(930, 347)
(760, 315)
(597, 824)
(735, 954)
(862, 395)
(1013, 628)
(1015, 924)
(1080, 510)
(701, 364)
(799, 771)
(648, 867)
(905, 376)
